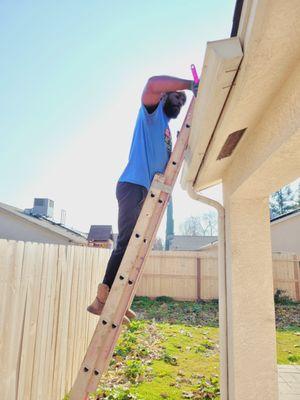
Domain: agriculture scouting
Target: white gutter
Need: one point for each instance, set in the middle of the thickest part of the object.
(222, 287)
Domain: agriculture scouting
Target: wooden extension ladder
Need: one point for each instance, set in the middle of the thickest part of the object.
(120, 297)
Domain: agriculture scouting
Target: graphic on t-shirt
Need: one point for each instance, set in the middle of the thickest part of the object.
(168, 140)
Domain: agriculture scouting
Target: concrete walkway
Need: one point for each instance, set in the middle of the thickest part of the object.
(289, 382)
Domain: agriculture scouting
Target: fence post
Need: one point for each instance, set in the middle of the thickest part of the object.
(198, 278)
(296, 278)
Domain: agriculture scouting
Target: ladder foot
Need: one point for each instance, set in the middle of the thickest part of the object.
(130, 314)
(126, 321)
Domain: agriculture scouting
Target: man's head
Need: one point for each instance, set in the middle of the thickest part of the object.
(173, 103)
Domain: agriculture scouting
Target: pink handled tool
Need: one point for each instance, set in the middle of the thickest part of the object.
(194, 72)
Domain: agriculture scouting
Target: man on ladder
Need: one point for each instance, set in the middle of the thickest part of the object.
(150, 151)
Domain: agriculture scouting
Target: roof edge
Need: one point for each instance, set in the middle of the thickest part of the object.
(236, 17)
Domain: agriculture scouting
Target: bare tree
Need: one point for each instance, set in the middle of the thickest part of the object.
(211, 223)
(204, 225)
(192, 227)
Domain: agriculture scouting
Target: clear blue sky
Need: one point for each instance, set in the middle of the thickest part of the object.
(72, 73)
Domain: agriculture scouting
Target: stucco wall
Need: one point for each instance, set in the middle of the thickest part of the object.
(285, 234)
(16, 228)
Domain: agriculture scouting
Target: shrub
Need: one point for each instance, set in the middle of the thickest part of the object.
(293, 358)
(116, 394)
(280, 297)
(167, 358)
(134, 370)
(164, 299)
(136, 325)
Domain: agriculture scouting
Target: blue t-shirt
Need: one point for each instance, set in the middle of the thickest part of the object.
(150, 148)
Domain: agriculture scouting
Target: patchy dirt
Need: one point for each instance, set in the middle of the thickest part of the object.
(164, 309)
(287, 315)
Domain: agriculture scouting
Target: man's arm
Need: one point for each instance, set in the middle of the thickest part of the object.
(158, 85)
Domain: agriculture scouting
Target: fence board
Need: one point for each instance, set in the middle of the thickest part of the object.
(32, 276)
(12, 317)
(59, 360)
(39, 363)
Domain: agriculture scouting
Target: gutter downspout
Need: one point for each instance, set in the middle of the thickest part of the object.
(222, 287)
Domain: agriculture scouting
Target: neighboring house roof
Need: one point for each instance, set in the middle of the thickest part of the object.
(100, 233)
(286, 216)
(182, 242)
(72, 235)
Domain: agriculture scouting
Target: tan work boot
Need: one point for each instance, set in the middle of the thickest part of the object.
(98, 304)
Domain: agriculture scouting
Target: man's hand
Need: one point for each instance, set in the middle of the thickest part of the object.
(194, 88)
(157, 86)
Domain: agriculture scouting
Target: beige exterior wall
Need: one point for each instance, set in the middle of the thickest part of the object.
(13, 227)
(285, 234)
(265, 100)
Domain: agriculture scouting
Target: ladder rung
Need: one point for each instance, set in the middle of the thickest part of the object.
(162, 187)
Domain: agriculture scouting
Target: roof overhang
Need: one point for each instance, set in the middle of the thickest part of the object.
(222, 59)
(286, 217)
(234, 95)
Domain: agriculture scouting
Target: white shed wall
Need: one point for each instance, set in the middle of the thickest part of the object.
(285, 235)
(16, 228)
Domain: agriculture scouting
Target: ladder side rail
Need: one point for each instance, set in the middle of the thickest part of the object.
(118, 309)
(169, 177)
(103, 329)
(178, 152)
(128, 294)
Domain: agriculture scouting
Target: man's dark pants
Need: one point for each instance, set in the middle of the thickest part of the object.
(130, 200)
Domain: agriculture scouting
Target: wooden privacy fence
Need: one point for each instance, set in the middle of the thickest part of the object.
(45, 328)
(186, 275)
(45, 289)
(183, 275)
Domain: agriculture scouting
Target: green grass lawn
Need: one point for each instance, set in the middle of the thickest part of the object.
(189, 362)
(171, 351)
(288, 346)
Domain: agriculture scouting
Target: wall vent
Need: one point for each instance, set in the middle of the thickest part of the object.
(231, 143)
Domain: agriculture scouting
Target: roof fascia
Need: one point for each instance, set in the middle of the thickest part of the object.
(284, 218)
(222, 59)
